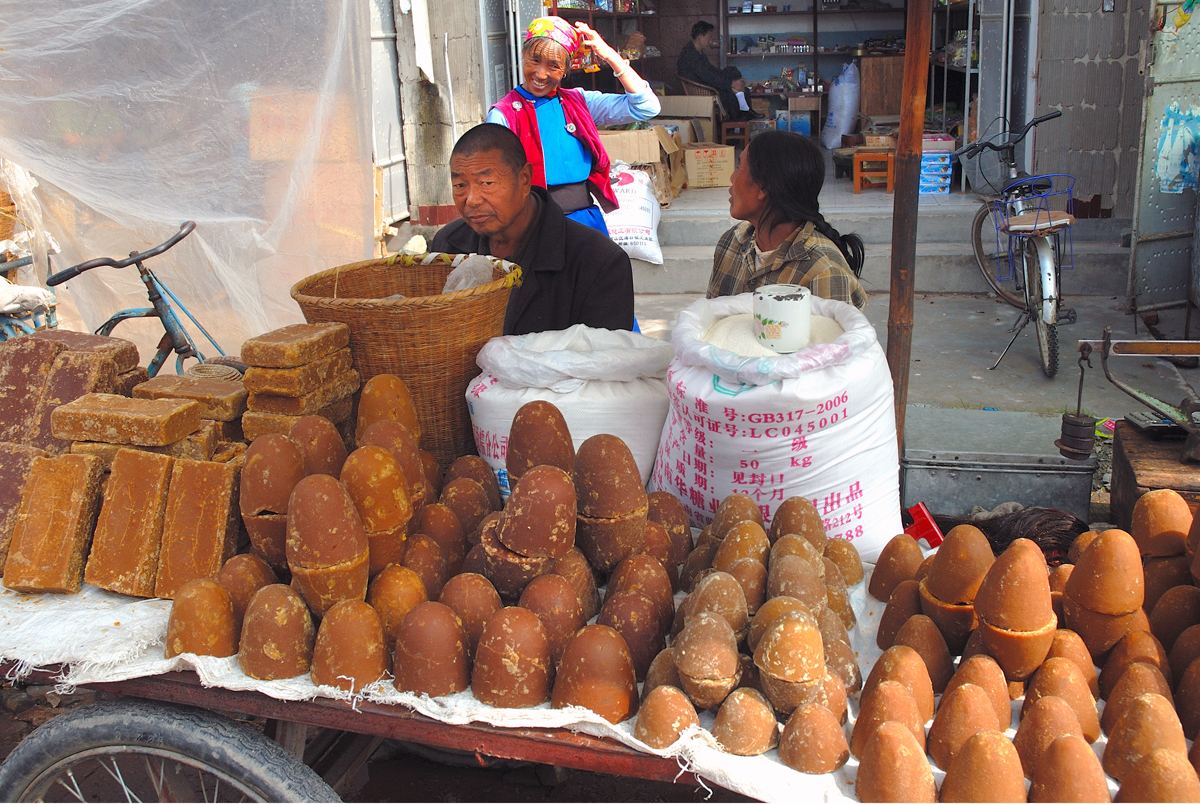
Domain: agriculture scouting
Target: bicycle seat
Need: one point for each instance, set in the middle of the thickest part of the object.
(1042, 185)
(1038, 222)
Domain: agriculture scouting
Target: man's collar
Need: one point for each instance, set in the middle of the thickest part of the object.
(544, 244)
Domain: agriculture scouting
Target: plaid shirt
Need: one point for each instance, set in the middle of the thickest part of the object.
(806, 257)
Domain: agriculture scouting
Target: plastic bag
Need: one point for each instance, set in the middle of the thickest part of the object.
(819, 423)
(843, 107)
(23, 299)
(634, 224)
(603, 381)
(470, 273)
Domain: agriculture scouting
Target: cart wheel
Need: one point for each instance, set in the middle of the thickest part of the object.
(129, 750)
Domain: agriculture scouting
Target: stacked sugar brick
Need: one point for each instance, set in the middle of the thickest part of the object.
(156, 519)
(296, 371)
(37, 373)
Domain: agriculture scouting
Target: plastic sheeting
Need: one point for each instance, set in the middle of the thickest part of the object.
(250, 117)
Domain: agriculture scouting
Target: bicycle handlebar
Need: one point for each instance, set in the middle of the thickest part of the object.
(75, 270)
(974, 148)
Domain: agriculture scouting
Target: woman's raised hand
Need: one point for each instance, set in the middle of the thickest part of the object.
(597, 43)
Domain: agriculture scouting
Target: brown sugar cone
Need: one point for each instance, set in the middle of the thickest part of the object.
(1136, 646)
(274, 465)
(1161, 775)
(959, 565)
(1176, 611)
(385, 396)
(841, 661)
(1108, 577)
(1058, 581)
(1160, 522)
(813, 741)
(423, 556)
(1046, 720)
(640, 573)
(893, 767)
(277, 635)
(986, 768)
(1194, 755)
(553, 600)
(797, 515)
(920, 634)
(791, 544)
(608, 542)
(1163, 573)
(1139, 678)
(268, 538)
(321, 445)
(539, 436)
(767, 614)
(903, 664)
(477, 469)
(793, 576)
(721, 594)
(1185, 651)
(923, 569)
(608, 484)
(402, 444)
(745, 724)
(963, 712)
(752, 577)
(242, 576)
(1069, 771)
(1019, 653)
(393, 593)
(898, 561)
(1147, 723)
(377, 486)
(733, 509)
(468, 500)
(1069, 645)
(843, 553)
(696, 564)
(904, 602)
(540, 517)
(1187, 700)
(596, 672)
(1062, 678)
(666, 509)
(665, 714)
(1101, 631)
(351, 651)
(473, 598)
(1081, 543)
(982, 671)
(635, 617)
(662, 672)
(512, 666)
(202, 621)
(955, 621)
(891, 700)
(744, 540)
(431, 652)
(1015, 593)
(575, 568)
(792, 649)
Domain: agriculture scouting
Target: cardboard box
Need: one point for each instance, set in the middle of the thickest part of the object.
(937, 143)
(688, 130)
(701, 108)
(659, 151)
(708, 164)
(632, 147)
(879, 141)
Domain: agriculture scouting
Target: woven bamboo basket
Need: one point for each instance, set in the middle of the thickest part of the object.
(428, 339)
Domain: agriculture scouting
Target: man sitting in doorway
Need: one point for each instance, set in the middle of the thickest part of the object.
(695, 66)
(571, 274)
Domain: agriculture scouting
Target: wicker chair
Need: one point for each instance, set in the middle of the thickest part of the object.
(728, 132)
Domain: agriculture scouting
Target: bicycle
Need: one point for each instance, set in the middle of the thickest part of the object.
(175, 337)
(1022, 241)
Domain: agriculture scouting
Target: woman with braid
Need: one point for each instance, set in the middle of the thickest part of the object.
(783, 239)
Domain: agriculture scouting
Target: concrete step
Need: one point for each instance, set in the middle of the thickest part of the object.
(1101, 269)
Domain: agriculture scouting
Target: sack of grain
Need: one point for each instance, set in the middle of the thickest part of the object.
(818, 423)
(603, 381)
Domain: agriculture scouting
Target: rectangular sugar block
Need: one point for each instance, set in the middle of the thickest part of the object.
(25, 364)
(120, 420)
(128, 380)
(74, 374)
(255, 424)
(15, 463)
(295, 345)
(125, 549)
(344, 385)
(201, 524)
(221, 400)
(54, 526)
(122, 352)
(300, 380)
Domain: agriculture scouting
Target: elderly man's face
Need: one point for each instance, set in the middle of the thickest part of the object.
(487, 193)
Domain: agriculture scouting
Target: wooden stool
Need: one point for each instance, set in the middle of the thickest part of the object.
(883, 166)
(735, 133)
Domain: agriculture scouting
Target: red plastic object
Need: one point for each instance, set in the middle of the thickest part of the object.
(923, 526)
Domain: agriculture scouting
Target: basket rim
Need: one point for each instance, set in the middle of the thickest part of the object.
(513, 277)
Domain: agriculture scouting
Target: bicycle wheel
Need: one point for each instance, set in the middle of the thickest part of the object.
(129, 750)
(1047, 334)
(992, 257)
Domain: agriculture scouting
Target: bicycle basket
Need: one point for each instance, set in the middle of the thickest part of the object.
(427, 338)
(1048, 206)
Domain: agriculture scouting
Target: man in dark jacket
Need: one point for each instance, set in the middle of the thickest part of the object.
(694, 65)
(571, 274)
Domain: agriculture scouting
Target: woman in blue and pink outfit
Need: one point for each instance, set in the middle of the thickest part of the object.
(557, 125)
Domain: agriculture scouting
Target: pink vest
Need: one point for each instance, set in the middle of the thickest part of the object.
(522, 119)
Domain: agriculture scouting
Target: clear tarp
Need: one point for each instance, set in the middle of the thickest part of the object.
(250, 117)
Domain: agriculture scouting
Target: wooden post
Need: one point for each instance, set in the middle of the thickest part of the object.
(904, 203)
